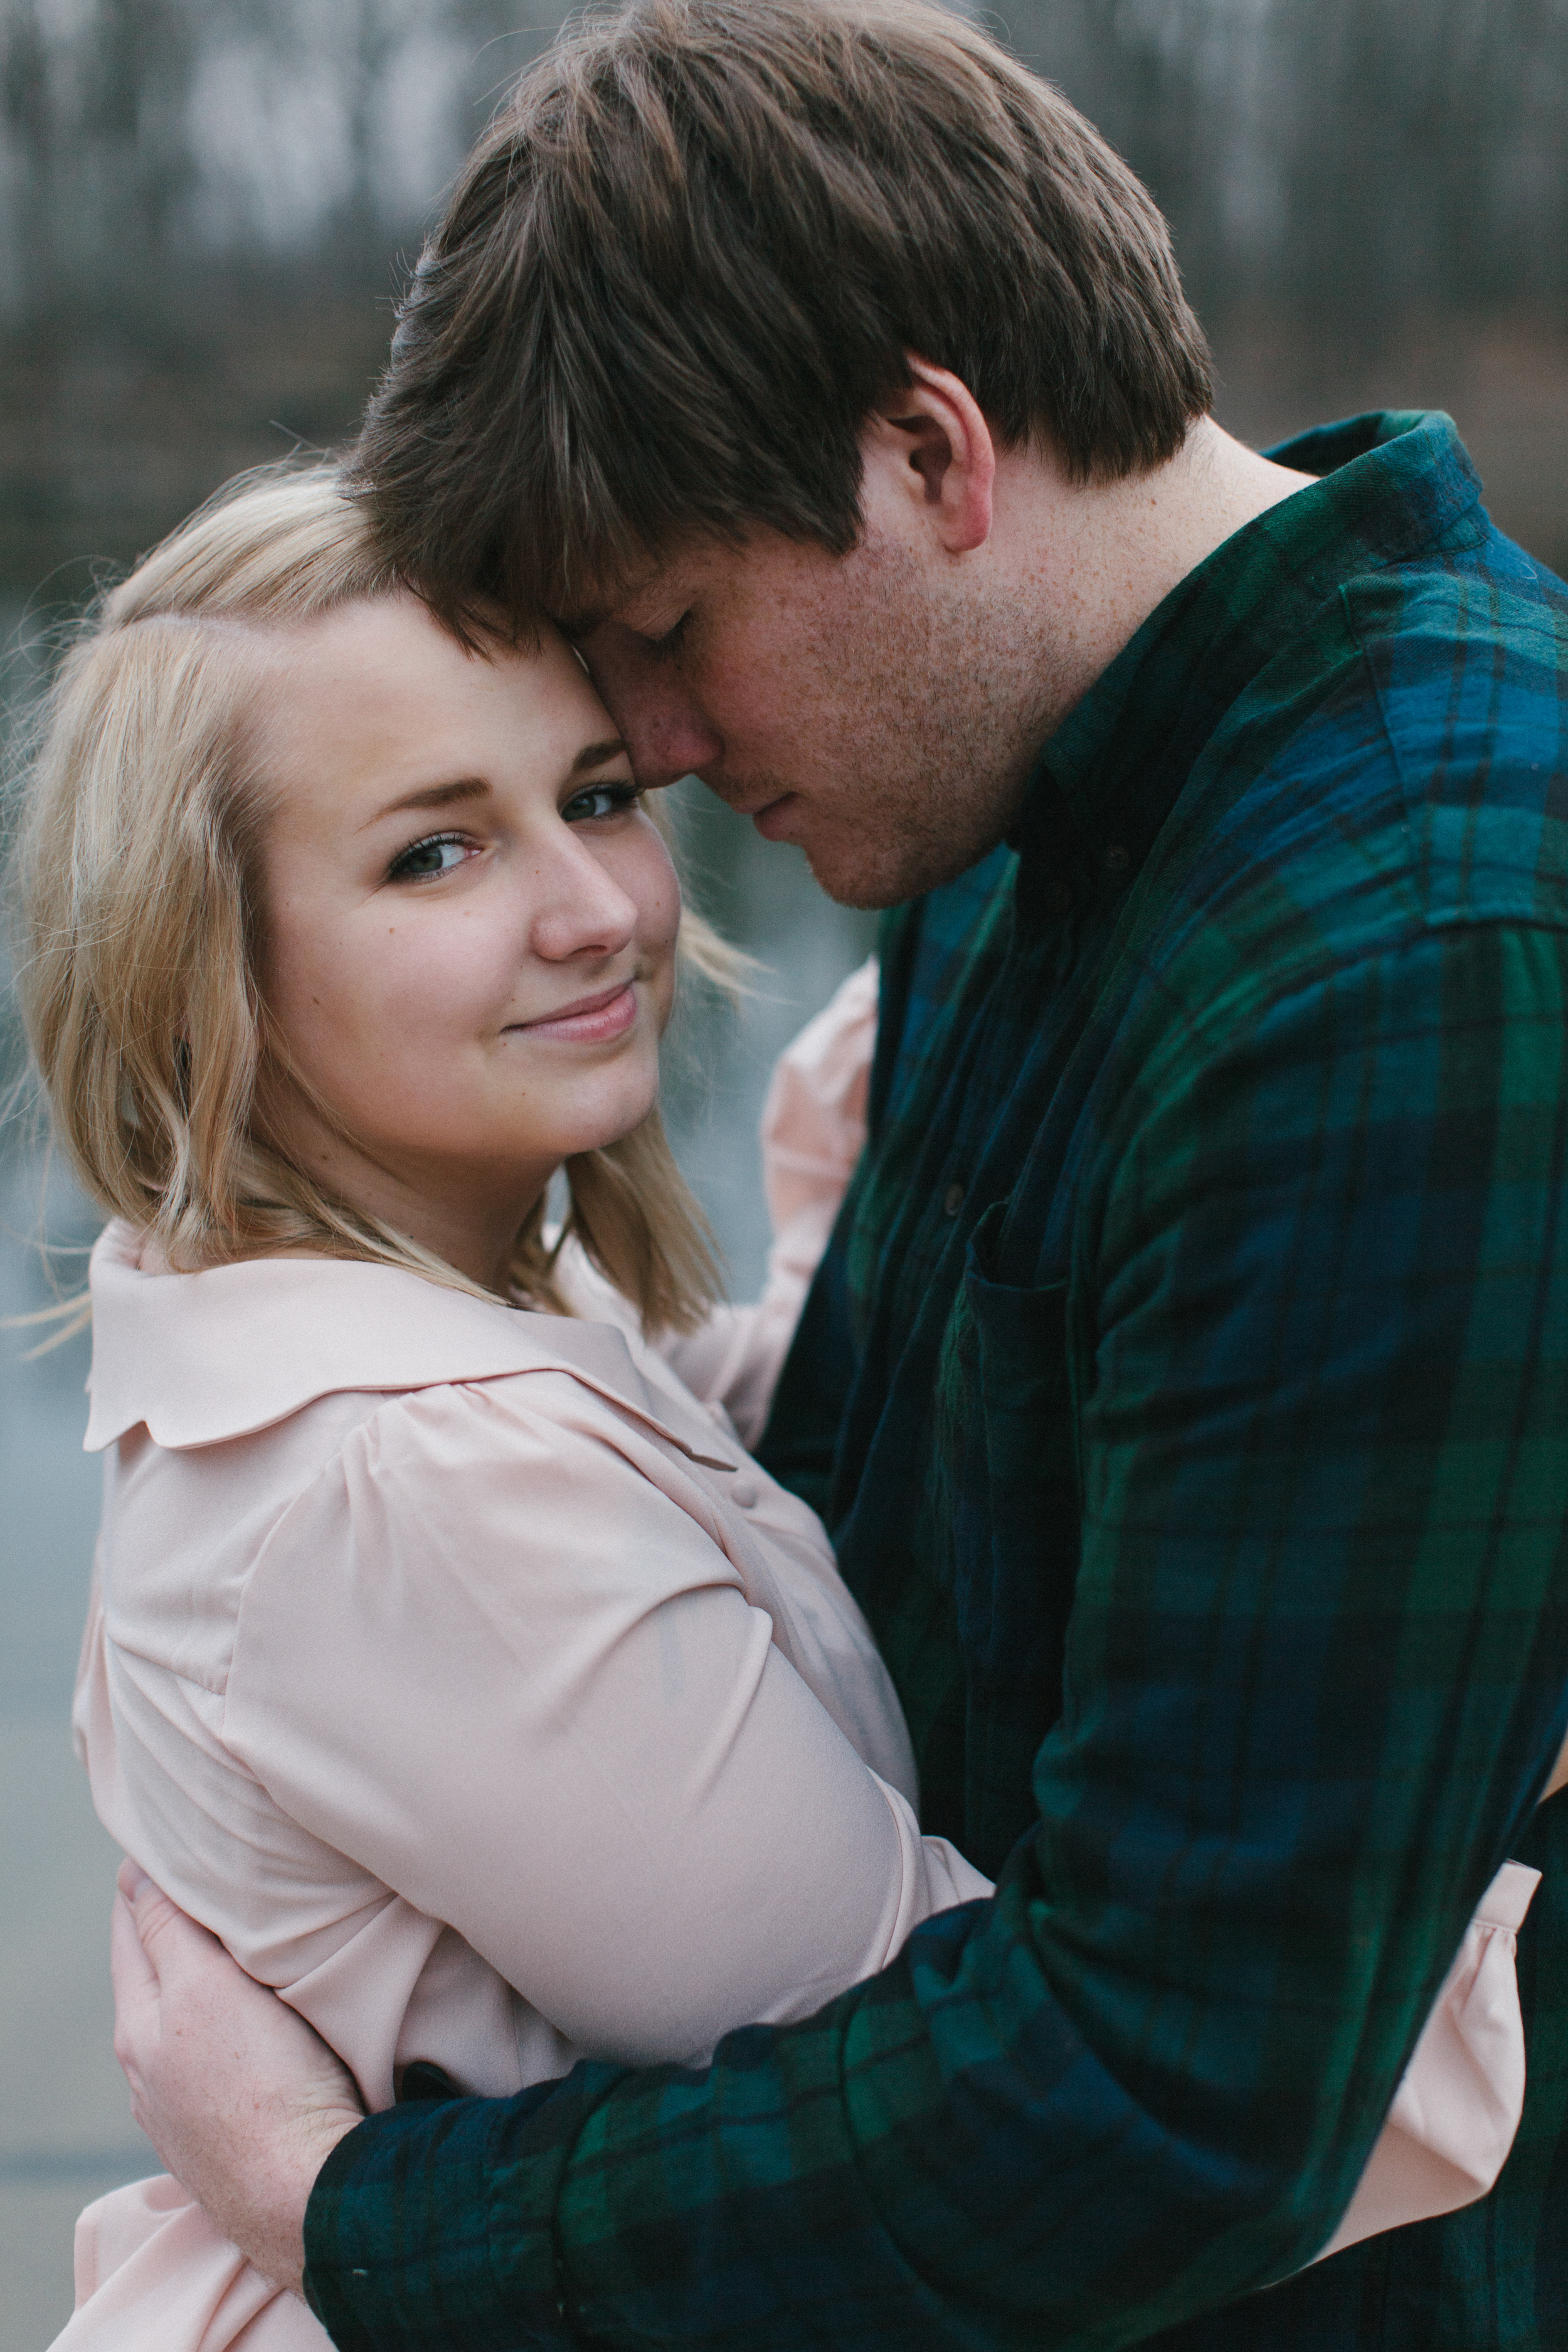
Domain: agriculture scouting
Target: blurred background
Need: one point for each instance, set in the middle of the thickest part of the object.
(205, 210)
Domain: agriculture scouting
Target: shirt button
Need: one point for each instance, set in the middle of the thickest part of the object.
(744, 1492)
(952, 1201)
(1116, 858)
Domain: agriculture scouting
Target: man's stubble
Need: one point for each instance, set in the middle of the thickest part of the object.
(920, 716)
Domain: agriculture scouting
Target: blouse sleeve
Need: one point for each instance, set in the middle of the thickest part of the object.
(497, 1657)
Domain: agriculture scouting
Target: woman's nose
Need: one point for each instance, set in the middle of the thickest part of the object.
(657, 719)
(579, 909)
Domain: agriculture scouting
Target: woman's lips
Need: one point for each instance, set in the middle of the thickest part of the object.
(592, 1021)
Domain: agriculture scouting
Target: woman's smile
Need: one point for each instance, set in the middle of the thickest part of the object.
(588, 1020)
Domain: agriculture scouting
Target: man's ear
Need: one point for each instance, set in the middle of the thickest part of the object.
(929, 444)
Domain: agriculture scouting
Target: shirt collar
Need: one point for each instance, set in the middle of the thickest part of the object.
(200, 1358)
(1390, 484)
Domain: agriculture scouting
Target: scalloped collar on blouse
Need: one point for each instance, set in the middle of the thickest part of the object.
(199, 1357)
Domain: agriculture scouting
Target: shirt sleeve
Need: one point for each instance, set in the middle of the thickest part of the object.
(492, 1659)
(1314, 1681)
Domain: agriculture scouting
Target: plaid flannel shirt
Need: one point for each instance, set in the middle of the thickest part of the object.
(1187, 1390)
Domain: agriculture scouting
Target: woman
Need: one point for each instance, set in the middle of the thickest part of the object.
(449, 1660)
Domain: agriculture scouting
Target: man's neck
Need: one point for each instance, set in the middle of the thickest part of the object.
(1090, 562)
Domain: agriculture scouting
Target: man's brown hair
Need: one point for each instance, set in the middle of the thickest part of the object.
(688, 258)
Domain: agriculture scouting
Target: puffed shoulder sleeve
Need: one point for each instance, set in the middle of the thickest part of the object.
(497, 1656)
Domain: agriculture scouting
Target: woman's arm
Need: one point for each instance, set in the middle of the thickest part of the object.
(498, 1658)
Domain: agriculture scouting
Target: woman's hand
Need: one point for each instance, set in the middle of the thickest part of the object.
(240, 2098)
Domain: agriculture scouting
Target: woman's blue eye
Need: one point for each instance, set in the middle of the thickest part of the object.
(424, 859)
(601, 800)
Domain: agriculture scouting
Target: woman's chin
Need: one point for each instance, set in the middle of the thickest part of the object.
(620, 1118)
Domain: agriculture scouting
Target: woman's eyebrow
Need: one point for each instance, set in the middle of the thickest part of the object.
(433, 796)
(472, 788)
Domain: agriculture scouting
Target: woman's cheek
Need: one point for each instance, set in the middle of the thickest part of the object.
(651, 883)
(649, 878)
(661, 962)
(440, 977)
(315, 988)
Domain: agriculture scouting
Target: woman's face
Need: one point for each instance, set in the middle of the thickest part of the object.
(468, 920)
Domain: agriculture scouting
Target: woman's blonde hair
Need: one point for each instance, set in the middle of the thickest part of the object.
(139, 922)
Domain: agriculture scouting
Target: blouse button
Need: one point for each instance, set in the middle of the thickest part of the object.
(952, 1200)
(743, 1491)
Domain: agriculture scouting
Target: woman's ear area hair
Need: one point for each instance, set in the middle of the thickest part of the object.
(929, 445)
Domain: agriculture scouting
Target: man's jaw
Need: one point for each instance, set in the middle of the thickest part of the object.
(849, 868)
(855, 861)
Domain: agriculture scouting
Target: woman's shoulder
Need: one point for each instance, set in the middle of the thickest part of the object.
(310, 1413)
(202, 1360)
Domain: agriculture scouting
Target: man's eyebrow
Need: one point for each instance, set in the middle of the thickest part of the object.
(595, 755)
(576, 621)
(433, 796)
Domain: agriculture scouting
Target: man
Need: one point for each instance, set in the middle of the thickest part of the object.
(1187, 1387)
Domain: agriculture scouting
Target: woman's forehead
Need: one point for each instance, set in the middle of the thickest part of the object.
(378, 697)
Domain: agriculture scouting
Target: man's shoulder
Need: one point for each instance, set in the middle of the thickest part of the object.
(1467, 647)
(1424, 783)
(1468, 661)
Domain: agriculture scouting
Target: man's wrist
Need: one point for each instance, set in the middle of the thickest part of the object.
(448, 2208)
(282, 2254)
(269, 2226)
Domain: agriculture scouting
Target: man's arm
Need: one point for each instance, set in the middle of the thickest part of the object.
(1314, 1680)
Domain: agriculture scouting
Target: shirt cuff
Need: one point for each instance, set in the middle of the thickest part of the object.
(434, 2223)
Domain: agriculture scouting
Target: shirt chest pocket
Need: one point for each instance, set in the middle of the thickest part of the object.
(1003, 1489)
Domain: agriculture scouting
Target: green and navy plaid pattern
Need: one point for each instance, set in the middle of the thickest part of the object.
(1187, 1385)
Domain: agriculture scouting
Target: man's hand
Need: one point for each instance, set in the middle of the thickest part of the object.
(243, 2102)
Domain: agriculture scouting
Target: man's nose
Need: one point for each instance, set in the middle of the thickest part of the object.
(661, 725)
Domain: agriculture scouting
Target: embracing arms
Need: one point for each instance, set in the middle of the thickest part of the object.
(1315, 1680)
(497, 1657)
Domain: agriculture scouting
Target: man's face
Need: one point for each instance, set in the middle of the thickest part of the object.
(866, 707)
